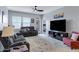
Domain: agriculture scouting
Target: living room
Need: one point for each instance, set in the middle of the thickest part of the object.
(32, 24)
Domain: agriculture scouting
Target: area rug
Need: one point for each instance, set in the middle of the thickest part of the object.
(42, 43)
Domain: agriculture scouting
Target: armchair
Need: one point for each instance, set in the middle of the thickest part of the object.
(18, 40)
(70, 42)
(9, 41)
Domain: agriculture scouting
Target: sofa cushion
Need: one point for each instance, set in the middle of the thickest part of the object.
(67, 41)
(17, 37)
(32, 28)
(27, 29)
(23, 30)
(75, 36)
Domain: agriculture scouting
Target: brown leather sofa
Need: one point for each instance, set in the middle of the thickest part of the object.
(28, 31)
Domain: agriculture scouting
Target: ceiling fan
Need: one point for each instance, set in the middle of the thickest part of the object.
(38, 10)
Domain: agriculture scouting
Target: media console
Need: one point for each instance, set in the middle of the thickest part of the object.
(58, 35)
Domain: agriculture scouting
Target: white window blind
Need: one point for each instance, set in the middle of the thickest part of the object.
(26, 21)
(16, 22)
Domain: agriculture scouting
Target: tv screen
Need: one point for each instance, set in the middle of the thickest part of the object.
(58, 25)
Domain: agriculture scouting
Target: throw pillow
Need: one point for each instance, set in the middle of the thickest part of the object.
(28, 29)
(75, 36)
(23, 30)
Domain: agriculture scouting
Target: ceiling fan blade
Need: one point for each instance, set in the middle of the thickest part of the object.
(40, 10)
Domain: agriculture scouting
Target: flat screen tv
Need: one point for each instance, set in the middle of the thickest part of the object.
(58, 25)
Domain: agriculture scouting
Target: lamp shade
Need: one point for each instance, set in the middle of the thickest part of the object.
(7, 31)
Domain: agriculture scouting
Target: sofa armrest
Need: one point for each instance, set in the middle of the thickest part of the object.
(16, 44)
(18, 34)
(75, 44)
(21, 43)
(67, 41)
(66, 38)
(28, 46)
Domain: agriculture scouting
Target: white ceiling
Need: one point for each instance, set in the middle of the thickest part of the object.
(30, 9)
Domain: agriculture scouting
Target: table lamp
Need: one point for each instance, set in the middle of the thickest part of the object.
(6, 34)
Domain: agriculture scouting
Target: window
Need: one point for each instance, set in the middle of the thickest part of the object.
(5, 20)
(26, 21)
(16, 22)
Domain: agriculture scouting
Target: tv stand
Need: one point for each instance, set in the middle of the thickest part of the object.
(58, 34)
